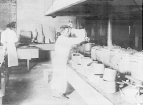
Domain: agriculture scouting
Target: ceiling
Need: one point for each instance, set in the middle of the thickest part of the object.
(103, 8)
(7, 1)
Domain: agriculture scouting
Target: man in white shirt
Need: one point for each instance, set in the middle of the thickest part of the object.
(63, 46)
(8, 40)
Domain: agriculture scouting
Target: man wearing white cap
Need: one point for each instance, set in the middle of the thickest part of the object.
(63, 46)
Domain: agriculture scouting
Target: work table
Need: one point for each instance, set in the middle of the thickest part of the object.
(31, 51)
(27, 53)
(46, 46)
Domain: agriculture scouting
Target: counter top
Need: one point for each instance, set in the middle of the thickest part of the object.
(40, 46)
(96, 94)
(46, 46)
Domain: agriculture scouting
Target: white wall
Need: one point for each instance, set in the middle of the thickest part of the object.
(31, 14)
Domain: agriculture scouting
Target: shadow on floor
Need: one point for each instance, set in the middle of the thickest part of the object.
(70, 89)
(21, 84)
(22, 67)
(15, 92)
(18, 87)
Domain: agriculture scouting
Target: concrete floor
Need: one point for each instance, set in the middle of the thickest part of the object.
(31, 88)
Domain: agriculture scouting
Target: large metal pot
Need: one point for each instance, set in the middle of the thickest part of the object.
(79, 58)
(109, 74)
(99, 55)
(124, 62)
(93, 56)
(109, 86)
(114, 58)
(93, 52)
(97, 68)
(96, 79)
(131, 51)
(85, 62)
(106, 56)
(81, 48)
(137, 66)
(129, 93)
(74, 60)
(87, 48)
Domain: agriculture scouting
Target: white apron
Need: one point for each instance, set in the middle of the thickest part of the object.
(9, 38)
(59, 79)
(62, 49)
(12, 55)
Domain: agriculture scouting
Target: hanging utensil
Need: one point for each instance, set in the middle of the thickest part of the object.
(43, 36)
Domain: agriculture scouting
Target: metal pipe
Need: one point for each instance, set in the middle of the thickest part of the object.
(109, 36)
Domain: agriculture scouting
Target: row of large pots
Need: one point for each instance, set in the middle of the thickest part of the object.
(106, 77)
(95, 72)
(123, 60)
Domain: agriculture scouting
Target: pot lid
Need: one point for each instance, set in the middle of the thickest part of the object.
(105, 48)
(129, 50)
(96, 47)
(91, 44)
(116, 49)
(138, 54)
(87, 58)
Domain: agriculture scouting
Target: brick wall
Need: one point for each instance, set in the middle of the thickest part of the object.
(7, 13)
